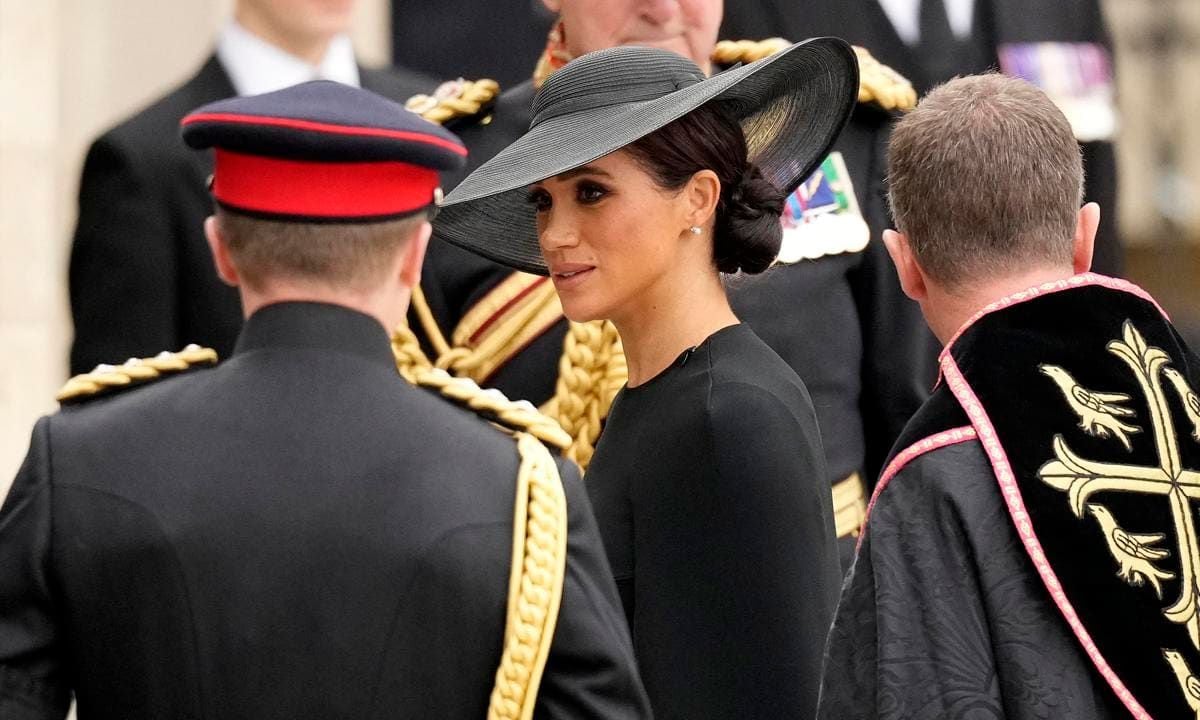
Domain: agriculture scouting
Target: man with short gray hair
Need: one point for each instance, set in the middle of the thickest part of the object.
(1030, 550)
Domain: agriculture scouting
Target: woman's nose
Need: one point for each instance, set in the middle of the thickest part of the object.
(558, 231)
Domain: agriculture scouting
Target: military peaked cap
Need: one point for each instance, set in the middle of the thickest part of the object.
(322, 152)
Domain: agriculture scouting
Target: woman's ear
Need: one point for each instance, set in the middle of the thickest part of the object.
(701, 196)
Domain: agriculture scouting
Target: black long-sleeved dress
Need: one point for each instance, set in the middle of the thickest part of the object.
(709, 487)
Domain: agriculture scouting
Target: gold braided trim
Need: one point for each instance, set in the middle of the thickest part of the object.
(535, 582)
(410, 359)
(454, 99)
(880, 84)
(501, 324)
(849, 506)
(134, 371)
(877, 83)
(591, 371)
(428, 322)
(491, 404)
(513, 289)
(498, 327)
(731, 52)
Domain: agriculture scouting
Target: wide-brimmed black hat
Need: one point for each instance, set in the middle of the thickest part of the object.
(791, 106)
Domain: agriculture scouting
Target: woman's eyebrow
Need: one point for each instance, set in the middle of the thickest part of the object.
(583, 170)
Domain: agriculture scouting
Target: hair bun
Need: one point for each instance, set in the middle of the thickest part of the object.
(748, 231)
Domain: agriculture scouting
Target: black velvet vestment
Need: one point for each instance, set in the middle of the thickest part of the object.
(1059, 534)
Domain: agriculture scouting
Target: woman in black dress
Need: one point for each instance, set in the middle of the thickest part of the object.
(639, 184)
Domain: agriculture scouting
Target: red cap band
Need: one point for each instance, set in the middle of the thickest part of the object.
(309, 189)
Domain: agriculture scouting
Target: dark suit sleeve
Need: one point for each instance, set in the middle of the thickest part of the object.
(591, 671)
(123, 262)
(911, 636)
(737, 580)
(899, 352)
(33, 684)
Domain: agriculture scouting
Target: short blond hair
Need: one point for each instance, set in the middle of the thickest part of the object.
(985, 176)
(353, 256)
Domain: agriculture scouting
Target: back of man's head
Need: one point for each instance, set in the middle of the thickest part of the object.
(323, 193)
(986, 180)
(352, 257)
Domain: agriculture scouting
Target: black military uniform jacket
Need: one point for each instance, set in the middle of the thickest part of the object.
(141, 275)
(997, 22)
(296, 533)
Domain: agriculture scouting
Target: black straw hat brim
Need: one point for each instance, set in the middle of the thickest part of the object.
(792, 105)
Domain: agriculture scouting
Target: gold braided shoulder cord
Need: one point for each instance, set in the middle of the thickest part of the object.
(454, 99)
(535, 585)
(591, 371)
(882, 85)
(134, 370)
(877, 82)
(539, 545)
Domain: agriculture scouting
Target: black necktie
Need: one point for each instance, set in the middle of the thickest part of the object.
(940, 51)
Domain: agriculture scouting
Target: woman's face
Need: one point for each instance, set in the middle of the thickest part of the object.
(609, 234)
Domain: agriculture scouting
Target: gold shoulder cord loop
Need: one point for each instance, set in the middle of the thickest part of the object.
(410, 359)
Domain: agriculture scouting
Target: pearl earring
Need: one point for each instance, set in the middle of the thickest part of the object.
(695, 229)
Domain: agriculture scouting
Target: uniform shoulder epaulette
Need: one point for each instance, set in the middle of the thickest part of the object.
(455, 100)
(135, 372)
(878, 84)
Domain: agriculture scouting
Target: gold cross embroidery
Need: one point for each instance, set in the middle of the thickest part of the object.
(1100, 415)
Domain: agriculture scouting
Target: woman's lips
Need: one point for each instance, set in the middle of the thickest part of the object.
(570, 275)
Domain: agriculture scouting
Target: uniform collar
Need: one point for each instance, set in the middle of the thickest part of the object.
(255, 66)
(316, 326)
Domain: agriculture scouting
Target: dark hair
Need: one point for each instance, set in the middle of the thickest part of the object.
(747, 231)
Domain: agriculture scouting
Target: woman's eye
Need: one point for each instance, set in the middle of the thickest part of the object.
(588, 193)
(539, 199)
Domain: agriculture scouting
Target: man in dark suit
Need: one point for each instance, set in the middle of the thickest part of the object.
(298, 533)
(931, 41)
(140, 274)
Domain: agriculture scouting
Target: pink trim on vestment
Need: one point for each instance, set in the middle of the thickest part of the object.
(1075, 281)
(1016, 504)
(910, 453)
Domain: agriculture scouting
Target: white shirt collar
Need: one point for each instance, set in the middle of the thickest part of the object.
(906, 18)
(256, 66)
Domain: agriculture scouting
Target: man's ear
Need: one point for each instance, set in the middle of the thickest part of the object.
(554, 6)
(912, 278)
(701, 195)
(413, 255)
(1086, 226)
(226, 270)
